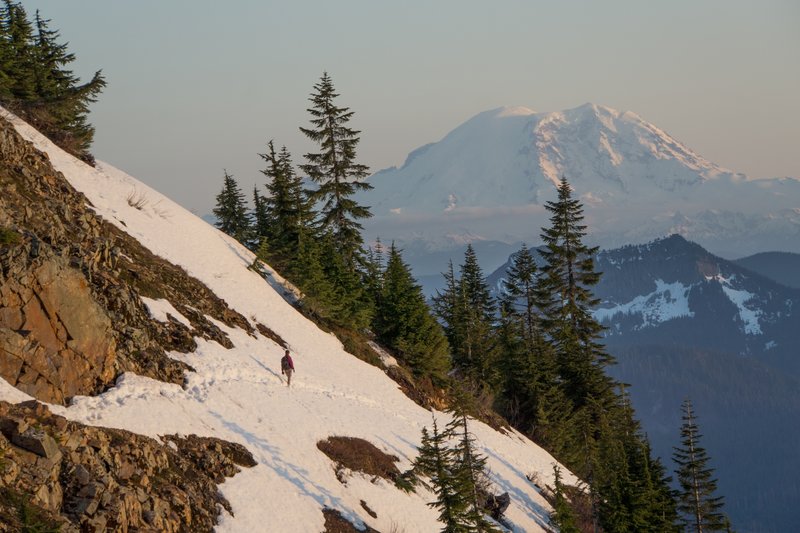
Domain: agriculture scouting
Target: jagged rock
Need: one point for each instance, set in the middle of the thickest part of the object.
(113, 480)
(71, 316)
(37, 441)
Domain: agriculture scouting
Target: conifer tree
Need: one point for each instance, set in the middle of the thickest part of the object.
(566, 300)
(404, 322)
(520, 292)
(699, 506)
(525, 356)
(320, 297)
(35, 80)
(335, 169)
(562, 517)
(467, 309)
(468, 466)
(260, 218)
(374, 266)
(231, 210)
(287, 209)
(436, 461)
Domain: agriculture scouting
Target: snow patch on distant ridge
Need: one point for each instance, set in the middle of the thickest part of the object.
(748, 315)
(667, 302)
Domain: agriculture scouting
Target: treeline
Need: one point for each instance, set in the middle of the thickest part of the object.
(310, 232)
(536, 355)
(36, 83)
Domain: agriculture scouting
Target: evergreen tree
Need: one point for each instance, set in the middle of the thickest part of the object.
(335, 169)
(436, 461)
(565, 298)
(699, 507)
(261, 226)
(287, 209)
(562, 517)
(468, 466)
(404, 322)
(18, 47)
(355, 307)
(526, 362)
(520, 292)
(35, 80)
(319, 295)
(468, 309)
(231, 210)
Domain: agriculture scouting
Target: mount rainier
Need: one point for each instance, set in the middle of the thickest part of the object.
(488, 180)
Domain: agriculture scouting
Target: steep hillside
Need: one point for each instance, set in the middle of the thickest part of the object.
(232, 325)
(490, 176)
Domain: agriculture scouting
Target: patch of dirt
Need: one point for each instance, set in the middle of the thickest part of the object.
(336, 523)
(360, 455)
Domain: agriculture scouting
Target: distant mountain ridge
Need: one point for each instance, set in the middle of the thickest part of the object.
(686, 323)
(783, 267)
(672, 291)
(489, 178)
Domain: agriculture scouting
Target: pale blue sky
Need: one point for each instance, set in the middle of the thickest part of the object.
(195, 86)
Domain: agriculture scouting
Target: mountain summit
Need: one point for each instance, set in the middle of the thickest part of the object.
(496, 170)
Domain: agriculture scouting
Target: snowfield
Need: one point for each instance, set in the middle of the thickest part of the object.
(240, 395)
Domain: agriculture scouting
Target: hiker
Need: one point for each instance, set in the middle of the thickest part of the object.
(287, 367)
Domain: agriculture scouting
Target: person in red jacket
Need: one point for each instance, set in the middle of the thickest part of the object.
(287, 367)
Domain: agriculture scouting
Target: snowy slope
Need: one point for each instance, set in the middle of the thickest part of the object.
(238, 394)
(489, 179)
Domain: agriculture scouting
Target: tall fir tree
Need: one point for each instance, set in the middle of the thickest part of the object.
(592, 428)
(404, 322)
(231, 210)
(59, 91)
(468, 310)
(700, 508)
(287, 208)
(260, 219)
(436, 461)
(520, 292)
(18, 49)
(36, 83)
(335, 170)
(469, 466)
(566, 300)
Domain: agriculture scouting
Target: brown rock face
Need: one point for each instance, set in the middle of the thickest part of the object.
(96, 479)
(56, 340)
(71, 316)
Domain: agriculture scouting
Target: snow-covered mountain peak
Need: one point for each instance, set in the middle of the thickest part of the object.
(493, 174)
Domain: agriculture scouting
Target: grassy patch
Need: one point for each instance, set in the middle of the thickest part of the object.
(8, 237)
(361, 456)
(19, 514)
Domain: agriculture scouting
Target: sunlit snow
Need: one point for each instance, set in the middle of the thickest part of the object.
(239, 394)
(668, 301)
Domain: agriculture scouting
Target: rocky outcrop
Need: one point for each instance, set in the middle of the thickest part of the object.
(71, 316)
(96, 479)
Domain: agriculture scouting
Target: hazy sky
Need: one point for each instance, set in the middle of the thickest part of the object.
(195, 86)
